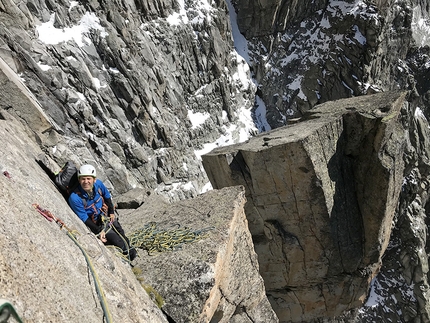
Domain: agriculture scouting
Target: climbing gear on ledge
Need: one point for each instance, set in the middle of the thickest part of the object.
(6, 310)
(155, 240)
(72, 235)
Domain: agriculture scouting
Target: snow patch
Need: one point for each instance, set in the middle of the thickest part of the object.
(419, 114)
(260, 115)
(197, 118)
(359, 36)
(297, 85)
(48, 34)
(199, 12)
(43, 67)
(420, 27)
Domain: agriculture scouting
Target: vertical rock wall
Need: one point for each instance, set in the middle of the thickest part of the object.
(122, 90)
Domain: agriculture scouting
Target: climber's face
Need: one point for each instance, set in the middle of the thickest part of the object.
(87, 182)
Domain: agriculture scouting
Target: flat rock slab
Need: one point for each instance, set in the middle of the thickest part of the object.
(216, 277)
(25, 107)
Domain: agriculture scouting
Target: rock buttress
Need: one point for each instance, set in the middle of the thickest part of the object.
(321, 199)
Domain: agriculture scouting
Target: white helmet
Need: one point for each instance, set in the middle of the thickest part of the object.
(87, 170)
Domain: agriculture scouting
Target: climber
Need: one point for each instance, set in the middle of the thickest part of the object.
(92, 203)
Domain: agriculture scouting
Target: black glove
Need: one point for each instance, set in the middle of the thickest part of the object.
(93, 227)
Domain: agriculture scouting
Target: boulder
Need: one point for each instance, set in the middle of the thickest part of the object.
(132, 199)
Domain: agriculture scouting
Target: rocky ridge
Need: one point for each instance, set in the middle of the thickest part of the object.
(123, 94)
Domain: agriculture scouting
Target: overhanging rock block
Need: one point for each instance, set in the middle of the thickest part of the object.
(321, 198)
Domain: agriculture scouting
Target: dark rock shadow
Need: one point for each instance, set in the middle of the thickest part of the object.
(346, 222)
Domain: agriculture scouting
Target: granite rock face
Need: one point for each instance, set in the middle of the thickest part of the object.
(322, 196)
(124, 95)
(43, 273)
(213, 279)
(48, 276)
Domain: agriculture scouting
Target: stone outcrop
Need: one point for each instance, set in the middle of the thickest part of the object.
(401, 290)
(214, 279)
(322, 196)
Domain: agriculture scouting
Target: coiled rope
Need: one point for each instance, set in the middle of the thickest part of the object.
(72, 235)
(154, 239)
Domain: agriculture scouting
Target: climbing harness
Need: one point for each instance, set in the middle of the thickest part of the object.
(92, 206)
(153, 239)
(6, 310)
(72, 235)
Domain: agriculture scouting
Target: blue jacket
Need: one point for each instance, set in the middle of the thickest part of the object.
(92, 207)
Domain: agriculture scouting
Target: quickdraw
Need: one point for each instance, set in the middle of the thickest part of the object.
(50, 217)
